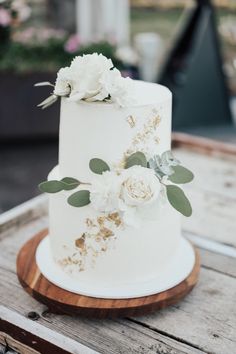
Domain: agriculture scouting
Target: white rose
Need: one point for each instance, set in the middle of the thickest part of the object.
(88, 70)
(140, 186)
(104, 192)
(64, 82)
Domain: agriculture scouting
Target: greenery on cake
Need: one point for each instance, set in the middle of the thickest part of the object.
(138, 190)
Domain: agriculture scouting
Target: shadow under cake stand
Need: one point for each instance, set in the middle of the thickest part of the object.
(59, 300)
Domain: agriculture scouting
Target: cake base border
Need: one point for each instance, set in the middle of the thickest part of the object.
(62, 301)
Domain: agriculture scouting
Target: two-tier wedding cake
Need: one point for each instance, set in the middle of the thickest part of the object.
(115, 203)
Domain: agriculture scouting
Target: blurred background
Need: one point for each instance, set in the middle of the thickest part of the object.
(187, 45)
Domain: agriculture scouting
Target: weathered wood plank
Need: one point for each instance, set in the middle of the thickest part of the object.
(204, 322)
(22, 214)
(220, 263)
(16, 347)
(206, 318)
(213, 196)
(105, 336)
(192, 321)
(208, 312)
(28, 337)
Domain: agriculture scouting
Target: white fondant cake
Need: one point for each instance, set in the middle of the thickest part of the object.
(103, 130)
(119, 228)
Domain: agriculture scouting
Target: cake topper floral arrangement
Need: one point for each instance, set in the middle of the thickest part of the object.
(90, 78)
(135, 192)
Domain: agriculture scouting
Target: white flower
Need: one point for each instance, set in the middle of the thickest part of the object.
(104, 192)
(140, 186)
(139, 197)
(117, 87)
(64, 82)
(88, 71)
(91, 78)
(134, 193)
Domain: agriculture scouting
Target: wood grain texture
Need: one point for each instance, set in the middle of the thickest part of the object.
(202, 145)
(204, 331)
(61, 301)
(203, 322)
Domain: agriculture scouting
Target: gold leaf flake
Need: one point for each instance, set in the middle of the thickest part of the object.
(101, 220)
(131, 120)
(80, 242)
(115, 217)
(105, 232)
(89, 222)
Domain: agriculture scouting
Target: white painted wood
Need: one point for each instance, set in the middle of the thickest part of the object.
(37, 202)
(103, 19)
(212, 194)
(122, 21)
(84, 20)
(210, 245)
(45, 333)
(150, 48)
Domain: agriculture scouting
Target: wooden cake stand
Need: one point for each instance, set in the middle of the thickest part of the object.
(61, 301)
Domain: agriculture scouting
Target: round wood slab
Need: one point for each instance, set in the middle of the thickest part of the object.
(64, 302)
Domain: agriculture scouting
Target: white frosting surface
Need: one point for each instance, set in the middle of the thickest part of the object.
(103, 130)
(133, 254)
(99, 129)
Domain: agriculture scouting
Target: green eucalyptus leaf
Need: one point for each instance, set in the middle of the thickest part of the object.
(98, 166)
(79, 199)
(51, 186)
(138, 158)
(70, 183)
(181, 175)
(178, 200)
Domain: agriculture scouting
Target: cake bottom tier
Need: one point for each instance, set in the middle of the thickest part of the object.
(95, 249)
(178, 269)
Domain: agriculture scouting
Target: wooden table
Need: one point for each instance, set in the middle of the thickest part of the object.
(205, 322)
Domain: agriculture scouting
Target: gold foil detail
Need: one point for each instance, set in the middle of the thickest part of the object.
(131, 120)
(105, 232)
(90, 223)
(143, 138)
(148, 131)
(96, 240)
(115, 217)
(80, 242)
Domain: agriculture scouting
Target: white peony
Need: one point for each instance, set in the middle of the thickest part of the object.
(91, 78)
(104, 192)
(117, 87)
(64, 82)
(88, 71)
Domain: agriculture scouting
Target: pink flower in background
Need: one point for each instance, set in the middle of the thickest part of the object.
(72, 44)
(33, 35)
(5, 18)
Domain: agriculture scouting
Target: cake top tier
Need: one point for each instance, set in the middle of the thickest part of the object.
(93, 78)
